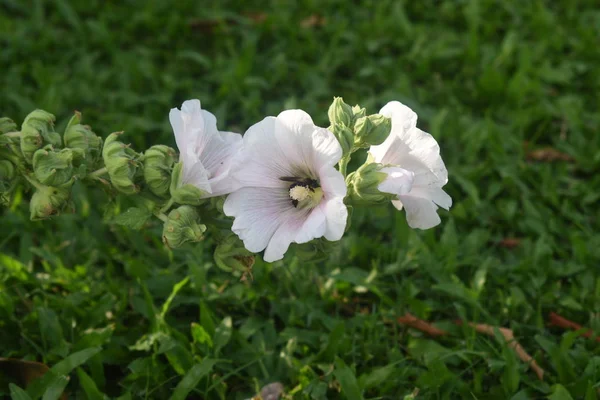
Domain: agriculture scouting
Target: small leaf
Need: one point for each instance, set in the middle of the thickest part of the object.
(133, 218)
(347, 380)
(222, 334)
(192, 378)
(89, 386)
(56, 389)
(16, 393)
(38, 387)
(178, 286)
(559, 392)
(200, 335)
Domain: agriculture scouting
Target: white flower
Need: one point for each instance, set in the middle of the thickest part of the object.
(206, 153)
(417, 171)
(291, 191)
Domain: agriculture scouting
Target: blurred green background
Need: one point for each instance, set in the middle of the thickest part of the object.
(510, 89)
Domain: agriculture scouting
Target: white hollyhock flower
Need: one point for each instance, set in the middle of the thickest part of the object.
(206, 153)
(417, 172)
(290, 189)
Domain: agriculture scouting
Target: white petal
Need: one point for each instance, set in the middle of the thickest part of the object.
(205, 152)
(332, 182)
(420, 213)
(314, 226)
(265, 218)
(337, 216)
(421, 206)
(261, 162)
(403, 118)
(399, 181)
(305, 144)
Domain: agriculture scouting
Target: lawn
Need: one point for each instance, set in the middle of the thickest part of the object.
(511, 91)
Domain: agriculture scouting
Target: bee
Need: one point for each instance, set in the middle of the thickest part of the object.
(309, 183)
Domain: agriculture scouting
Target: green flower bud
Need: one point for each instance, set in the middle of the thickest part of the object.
(7, 176)
(363, 184)
(344, 135)
(358, 112)
(340, 112)
(31, 141)
(80, 138)
(158, 164)
(184, 194)
(121, 163)
(371, 130)
(43, 122)
(49, 200)
(7, 125)
(231, 255)
(183, 225)
(53, 168)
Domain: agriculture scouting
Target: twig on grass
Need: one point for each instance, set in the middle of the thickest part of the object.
(424, 326)
(513, 344)
(562, 322)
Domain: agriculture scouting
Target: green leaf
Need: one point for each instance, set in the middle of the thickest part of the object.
(200, 335)
(89, 386)
(64, 367)
(192, 378)
(16, 393)
(133, 218)
(559, 392)
(56, 389)
(347, 380)
(51, 331)
(376, 377)
(223, 334)
(178, 286)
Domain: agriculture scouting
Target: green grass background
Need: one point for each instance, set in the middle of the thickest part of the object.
(491, 80)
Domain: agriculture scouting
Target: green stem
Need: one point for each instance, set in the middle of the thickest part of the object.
(34, 183)
(161, 216)
(344, 164)
(167, 206)
(98, 173)
(12, 134)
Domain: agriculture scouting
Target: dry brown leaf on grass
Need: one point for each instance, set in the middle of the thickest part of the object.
(510, 242)
(23, 372)
(424, 326)
(562, 322)
(313, 21)
(548, 154)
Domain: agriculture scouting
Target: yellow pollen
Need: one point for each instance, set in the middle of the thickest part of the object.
(299, 193)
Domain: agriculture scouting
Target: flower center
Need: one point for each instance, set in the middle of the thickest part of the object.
(304, 192)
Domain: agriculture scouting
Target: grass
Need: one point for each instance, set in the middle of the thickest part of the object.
(497, 83)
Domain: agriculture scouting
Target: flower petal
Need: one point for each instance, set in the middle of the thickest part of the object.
(304, 144)
(421, 206)
(337, 215)
(399, 181)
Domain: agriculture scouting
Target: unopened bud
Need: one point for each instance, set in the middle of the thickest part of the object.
(340, 113)
(182, 226)
(31, 141)
(7, 125)
(184, 194)
(43, 122)
(121, 163)
(371, 130)
(231, 255)
(80, 138)
(374, 183)
(344, 135)
(49, 200)
(158, 164)
(53, 168)
(358, 112)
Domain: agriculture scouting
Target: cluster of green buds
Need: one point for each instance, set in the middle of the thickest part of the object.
(363, 184)
(354, 129)
(47, 163)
